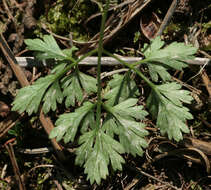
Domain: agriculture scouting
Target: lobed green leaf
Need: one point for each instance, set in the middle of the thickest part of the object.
(88, 122)
(96, 166)
(47, 48)
(69, 52)
(67, 124)
(88, 83)
(119, 89)
(28, 98)
(86, 142)
(96, 151)
(74, 84)
(167, 107)
(172, 56)
(52, 96)
(122, 122)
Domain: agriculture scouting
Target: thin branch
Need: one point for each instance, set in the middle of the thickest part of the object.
(156, 179)
(15, 166)
(168, 17)
(105, 61)
(106, 74)
(35, 150)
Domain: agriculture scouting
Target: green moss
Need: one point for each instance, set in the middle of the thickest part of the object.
(68, 16)
(206, 26)
(173, 28)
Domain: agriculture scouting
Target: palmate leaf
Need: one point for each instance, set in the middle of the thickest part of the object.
(97, 150)
(67, 124)
(167, 107)
(28, 98)
(47, 48)
(171, 56)
(122, 122)
(119, 89)
(74, 84)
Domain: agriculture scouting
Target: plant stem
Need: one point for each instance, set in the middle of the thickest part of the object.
(140, 62)
(75, 63)
(100, 50)
(131, 66)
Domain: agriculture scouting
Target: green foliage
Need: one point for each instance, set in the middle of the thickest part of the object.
(17, 130)
(206, 26)
(103, 136)
(136, 37)
(52, 96)
(47, 48)
(165, 104)
(68, 16)
(172, 56)
(73, 85)
(120, 88)
(97, 147)
(28, 98)
(97, 150)
(122, 121)
(67, 124)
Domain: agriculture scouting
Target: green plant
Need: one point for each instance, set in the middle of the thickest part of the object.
(112, 124)
(64, 16)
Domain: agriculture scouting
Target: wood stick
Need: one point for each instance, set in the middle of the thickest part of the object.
(12, 61)
(15, 166)
(206, 81)
(168, 17)
(92, 61)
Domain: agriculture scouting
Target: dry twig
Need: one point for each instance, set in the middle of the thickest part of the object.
(168, 17)
(15, 166)
(206, 81)
(154, 178)
(92, 61)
